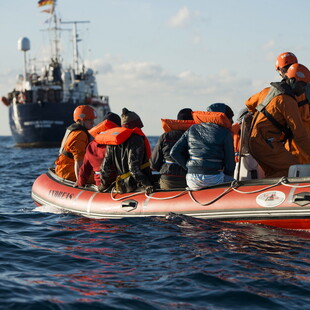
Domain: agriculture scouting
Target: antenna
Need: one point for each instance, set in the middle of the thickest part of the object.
(75, 41)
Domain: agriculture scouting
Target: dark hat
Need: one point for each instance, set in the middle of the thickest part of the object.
(113, 118)
(221, 107)
(185, 114)
(130, 119)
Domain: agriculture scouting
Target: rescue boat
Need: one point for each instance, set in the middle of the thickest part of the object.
(279, 202)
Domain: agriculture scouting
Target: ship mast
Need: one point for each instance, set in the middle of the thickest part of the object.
(75, 42)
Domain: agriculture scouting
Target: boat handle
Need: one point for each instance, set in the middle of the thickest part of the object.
(130, 203)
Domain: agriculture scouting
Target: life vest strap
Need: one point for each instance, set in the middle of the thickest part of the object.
(127, 175)
(66, 153)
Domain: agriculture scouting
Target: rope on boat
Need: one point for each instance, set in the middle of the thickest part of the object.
(166, 198)
(234, 185)
(124, 197)
(296, 186)
(213, 200)
(281, 181)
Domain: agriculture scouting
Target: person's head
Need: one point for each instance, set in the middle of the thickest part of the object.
(110, 120)
(221, 107)
(113, 117)
(84, 115)
(284, 61)
(130, 119)
(185, 115)
(298, 76)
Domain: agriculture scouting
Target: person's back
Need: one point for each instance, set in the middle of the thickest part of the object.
(128, 159)
(74, 143)
(172, 175)
(276, 119)
(95, 150)
(206, 149)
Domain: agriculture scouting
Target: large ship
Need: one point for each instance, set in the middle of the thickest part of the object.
(42, 103)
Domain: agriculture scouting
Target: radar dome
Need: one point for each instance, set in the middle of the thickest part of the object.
(23, 44)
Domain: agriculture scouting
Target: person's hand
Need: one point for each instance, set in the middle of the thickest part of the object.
(149, 189)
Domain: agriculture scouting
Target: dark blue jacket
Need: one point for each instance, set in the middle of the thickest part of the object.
(205, 148)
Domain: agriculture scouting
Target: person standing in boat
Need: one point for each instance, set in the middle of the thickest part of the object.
(172, 175)
(276, 120)
(127, 154)
(74, 143)
(95, 150)
(283, 62)
(206, 149)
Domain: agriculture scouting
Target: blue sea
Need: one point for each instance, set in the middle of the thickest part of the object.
(63, 261)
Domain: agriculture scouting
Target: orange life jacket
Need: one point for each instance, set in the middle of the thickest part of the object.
(218, 118)
(103, 126)
(119, 135)
(173, 124)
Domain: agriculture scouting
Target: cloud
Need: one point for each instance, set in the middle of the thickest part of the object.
(197, 39)
(269, 45)
(181, 19)
(148, 89)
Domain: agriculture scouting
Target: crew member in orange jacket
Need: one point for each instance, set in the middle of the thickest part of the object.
(74, 143)
(283, 62)
(277, 118)
(95, 150)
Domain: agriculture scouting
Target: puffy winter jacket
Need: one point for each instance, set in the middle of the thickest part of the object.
(205, 148)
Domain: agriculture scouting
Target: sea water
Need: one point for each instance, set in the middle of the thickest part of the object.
(63, 261)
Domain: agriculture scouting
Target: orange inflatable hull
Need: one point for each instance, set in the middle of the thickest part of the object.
(281, 203)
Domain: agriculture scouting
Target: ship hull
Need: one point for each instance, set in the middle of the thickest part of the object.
(42, 124)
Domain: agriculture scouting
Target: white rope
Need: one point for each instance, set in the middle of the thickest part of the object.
(165, 198)
(124, 197)
(295, 186)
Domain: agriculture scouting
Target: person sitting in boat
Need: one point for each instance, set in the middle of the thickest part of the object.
(95, 150)
(206, 149)
(172, 175)
(276, 120)
(74, 143)
(127, 154)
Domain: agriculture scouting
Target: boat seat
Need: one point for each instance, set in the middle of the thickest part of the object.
(299, 171)
(249, 169)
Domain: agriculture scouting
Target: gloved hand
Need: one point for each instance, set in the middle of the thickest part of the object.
(149, 189)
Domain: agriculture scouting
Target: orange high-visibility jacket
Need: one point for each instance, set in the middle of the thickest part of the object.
(75, 144)
(265, 139)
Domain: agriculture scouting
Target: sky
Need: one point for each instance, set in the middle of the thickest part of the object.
(156, 57)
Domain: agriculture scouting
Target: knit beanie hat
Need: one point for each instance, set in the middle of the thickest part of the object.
(130, 119)
(185, 115)
(221, 107)
(113, 118)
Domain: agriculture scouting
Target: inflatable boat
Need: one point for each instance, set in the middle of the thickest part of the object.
(281, 202)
